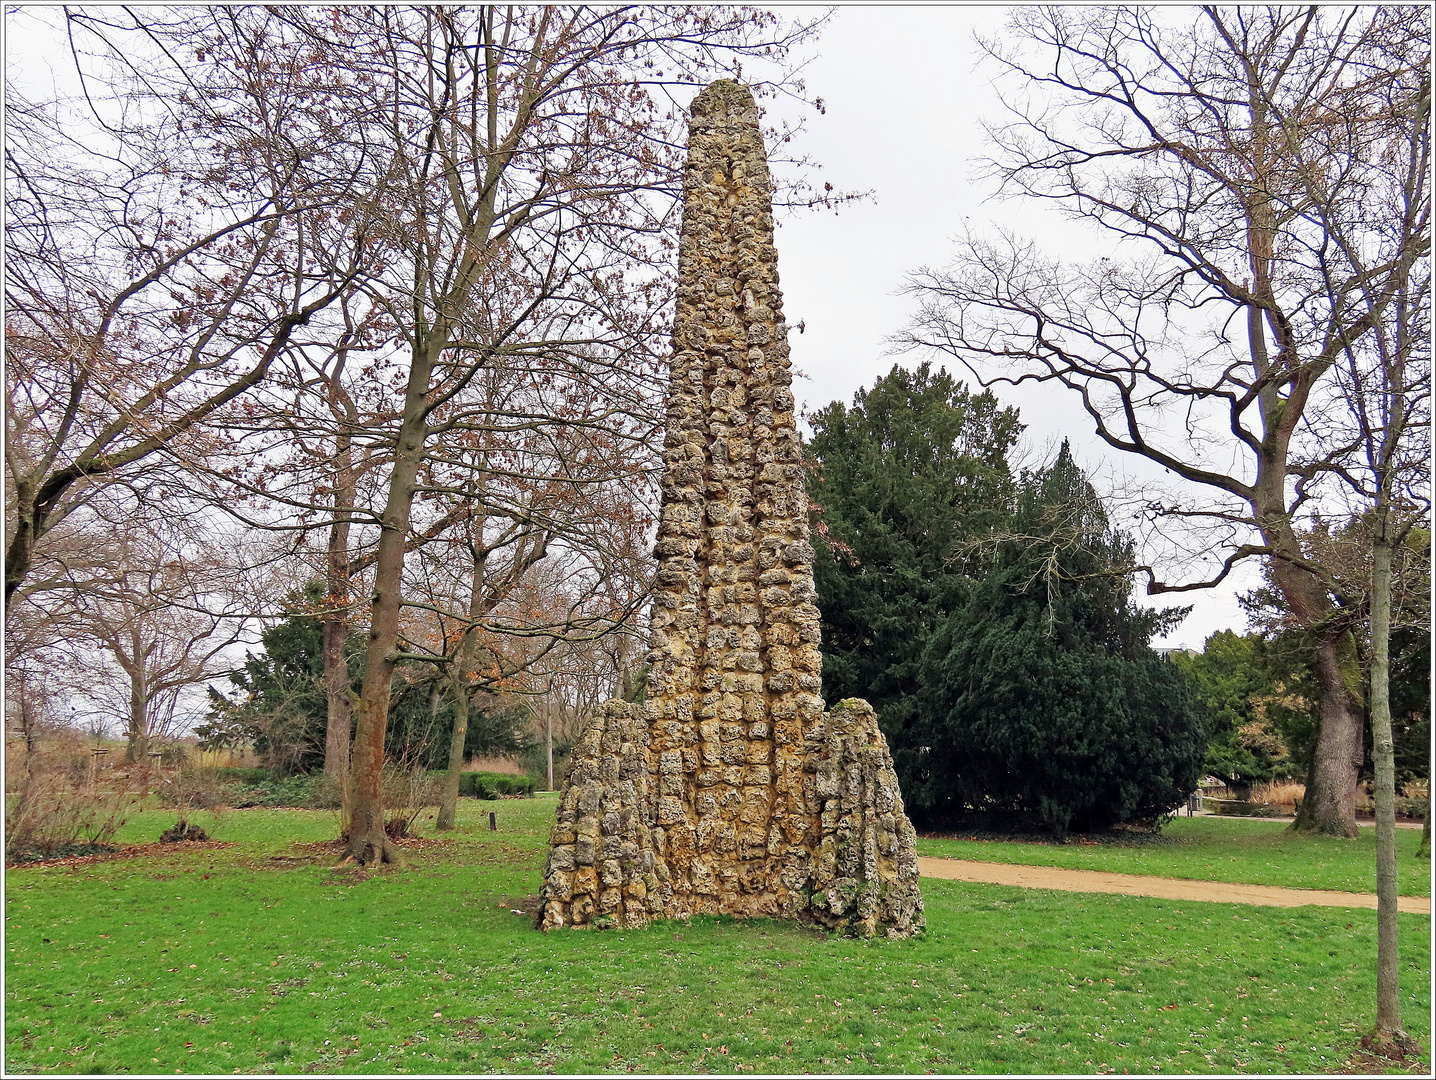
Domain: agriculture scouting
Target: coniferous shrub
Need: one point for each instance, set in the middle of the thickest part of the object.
(1043, 701)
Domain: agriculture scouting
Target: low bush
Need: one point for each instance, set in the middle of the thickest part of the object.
(244, 776)
(304, 791)
(492, 785)
(55, 798)
(1411, 808)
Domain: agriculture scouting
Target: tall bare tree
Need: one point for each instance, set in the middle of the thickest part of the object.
(145, 610)
(529, 159)
(1233, 157)
(1386, 382)
(159, 257)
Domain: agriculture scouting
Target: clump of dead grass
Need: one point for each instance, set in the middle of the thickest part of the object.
(57, 798)
(1284, 794)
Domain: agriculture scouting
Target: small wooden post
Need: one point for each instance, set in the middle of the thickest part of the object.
(493, 822)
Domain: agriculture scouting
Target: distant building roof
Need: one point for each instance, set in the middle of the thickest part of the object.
(1167, 650)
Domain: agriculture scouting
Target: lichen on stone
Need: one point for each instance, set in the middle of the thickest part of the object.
(727, 789)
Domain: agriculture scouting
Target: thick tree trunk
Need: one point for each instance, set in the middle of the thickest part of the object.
(368, 844)
(1330, 802)
(1329, 805)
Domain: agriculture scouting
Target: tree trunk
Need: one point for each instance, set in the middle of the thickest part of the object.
(20, 550)
(449, 803)
(1329, 805)
(138, 750)
(335, 626)
(1383, 756)
(368, 844)
(464, 656)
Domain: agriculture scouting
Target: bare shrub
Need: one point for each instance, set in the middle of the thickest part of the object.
(493, 764)
(409, 790)
(56, 799)
(194, 789)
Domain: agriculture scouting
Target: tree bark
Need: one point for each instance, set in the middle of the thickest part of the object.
(138, 750)
(335, 624)
(1329, 805)
(464, 656)
(368, 844)
(449, 803)
(1383, 756)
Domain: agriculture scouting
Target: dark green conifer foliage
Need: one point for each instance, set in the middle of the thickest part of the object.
(990, 621)
(915, 467)
(1042, 699)
(281, 708)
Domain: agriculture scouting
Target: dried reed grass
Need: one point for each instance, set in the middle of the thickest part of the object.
(1283, 793)
(492, 764)
(56, 796)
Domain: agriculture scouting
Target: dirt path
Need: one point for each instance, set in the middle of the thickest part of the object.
(1050, 877)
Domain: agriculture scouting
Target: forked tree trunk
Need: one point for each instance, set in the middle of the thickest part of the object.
(1330, 802)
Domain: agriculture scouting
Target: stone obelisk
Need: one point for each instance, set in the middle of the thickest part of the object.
(729, 790)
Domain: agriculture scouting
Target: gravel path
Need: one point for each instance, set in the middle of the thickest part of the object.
(1221, 892)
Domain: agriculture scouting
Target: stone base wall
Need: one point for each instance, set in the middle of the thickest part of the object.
(864, 876)
(609, 866)
(602, 869)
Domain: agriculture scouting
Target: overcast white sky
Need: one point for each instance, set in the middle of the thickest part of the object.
(905, 95)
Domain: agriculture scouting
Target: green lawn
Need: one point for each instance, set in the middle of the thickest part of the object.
(263, 958)
(1246, 850)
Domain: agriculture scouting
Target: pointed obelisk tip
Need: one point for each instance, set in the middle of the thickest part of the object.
(723, 97)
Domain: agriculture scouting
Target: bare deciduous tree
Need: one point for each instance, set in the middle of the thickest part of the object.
(144, 615)
(526, 164)
(1241, 161)
(159, 257)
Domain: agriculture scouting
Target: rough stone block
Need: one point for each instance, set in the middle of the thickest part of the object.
(729, 790)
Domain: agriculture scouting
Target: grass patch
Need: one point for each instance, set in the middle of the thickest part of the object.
(263, 958)
(1250, 852)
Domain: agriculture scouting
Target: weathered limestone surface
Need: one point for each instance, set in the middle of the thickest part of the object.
(729, 790)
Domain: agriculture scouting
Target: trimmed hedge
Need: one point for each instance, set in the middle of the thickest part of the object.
(492, 785)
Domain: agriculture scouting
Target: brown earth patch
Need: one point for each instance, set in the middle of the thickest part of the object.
(134, 851)
(1221, 892)
(1362, 1063)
